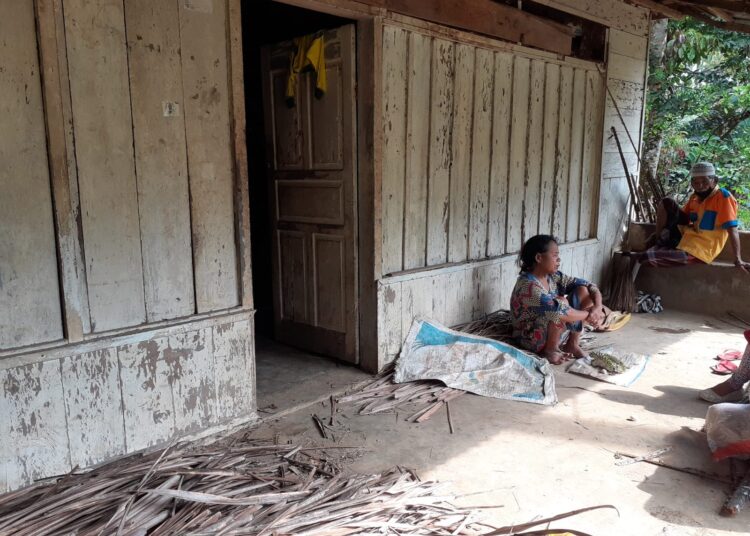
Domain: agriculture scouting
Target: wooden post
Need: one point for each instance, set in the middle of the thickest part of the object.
(71, 266)
(241, 184)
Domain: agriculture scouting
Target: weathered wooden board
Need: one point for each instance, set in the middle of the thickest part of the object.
(612, 13)
(490, 18)
(622, 67)
(591, 174)
(576, 155)
(235, 381)
(146, 393)
(93, 406)
(459, 296)
(417, 150)
(562, 167)
(551, 125)
(389, 321)
(29, 295)
(441, 125)
(627, 44)
(534, 154)
(481, 153)
(485, 289)
(627, 121)
(153, 36)
(518, 141)
(463, 107)
(612, 164)
(395, 44)
(97, 58)
(416, 301)
(62, 168)
(203, 46)
(628, 95)
(33, 427)
(501, 123)
(508, 277)
(191, 375)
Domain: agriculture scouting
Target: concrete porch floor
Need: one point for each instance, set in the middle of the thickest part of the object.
(541, 461)
(287, 378)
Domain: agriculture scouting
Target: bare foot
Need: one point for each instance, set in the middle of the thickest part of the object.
(723, 389)
(574, 349)
(555, 357)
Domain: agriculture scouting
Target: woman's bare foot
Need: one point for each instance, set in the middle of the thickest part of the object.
(572, 348)
(556, 356)
(723, 389)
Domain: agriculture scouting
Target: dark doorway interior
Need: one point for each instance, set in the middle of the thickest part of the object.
(267, 22)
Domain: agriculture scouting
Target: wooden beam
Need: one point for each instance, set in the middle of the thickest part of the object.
(53, 65)
(742, 6)
(696, 13)
(239, 137)
(489, 18)
(661, 9)
(720, 14)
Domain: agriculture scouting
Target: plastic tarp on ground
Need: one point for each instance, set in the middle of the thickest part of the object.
(476, 364)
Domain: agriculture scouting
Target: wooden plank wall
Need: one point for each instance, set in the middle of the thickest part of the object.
(29, 296)
(80, 406)
(583, 195)
(476, 156)
(138, 99)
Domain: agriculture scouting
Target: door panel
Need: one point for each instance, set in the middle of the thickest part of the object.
(327, 146)
(293, 275)
(312, 169)
(287, 126)
(306, 201)
(329, 261)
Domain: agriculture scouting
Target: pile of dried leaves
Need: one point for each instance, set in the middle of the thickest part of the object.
(422, 399)
(256, 488)
(497, 326)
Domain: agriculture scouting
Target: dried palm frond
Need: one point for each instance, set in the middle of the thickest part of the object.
(255, 488)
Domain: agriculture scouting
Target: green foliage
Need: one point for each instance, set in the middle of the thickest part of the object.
(699, 105)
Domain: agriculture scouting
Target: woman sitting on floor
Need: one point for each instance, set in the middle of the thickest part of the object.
(731, 389)
(547, 304)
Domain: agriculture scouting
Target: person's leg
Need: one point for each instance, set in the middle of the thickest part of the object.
(579, 299)
(738, 379)
(668, 218)
(551, 350)
(661, 218)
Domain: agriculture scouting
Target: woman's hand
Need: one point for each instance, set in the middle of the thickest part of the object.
(595, 318)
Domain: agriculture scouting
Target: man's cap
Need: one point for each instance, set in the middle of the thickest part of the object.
(702, 169)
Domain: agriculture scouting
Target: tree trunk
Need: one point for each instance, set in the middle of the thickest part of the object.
(652, 142)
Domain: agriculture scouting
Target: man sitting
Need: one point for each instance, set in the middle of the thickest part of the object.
(697, 232)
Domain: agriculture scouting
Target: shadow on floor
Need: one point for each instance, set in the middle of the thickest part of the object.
(287, 377)
(674, 400)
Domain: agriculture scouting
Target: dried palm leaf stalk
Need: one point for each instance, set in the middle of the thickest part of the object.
(256, 488)
(420, 399)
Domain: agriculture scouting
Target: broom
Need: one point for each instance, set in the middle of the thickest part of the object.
(624, 267)
(622, 283)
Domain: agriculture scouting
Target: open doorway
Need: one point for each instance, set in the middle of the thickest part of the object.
(302, 151)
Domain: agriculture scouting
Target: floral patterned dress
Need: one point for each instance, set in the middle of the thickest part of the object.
(533, 307)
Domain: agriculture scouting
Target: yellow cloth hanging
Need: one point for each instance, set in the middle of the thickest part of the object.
(310, 51)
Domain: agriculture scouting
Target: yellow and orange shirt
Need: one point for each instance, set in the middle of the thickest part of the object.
(710, 219)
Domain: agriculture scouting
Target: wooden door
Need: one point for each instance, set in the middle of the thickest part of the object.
(312, 172)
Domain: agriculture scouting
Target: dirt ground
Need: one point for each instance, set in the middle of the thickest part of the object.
(524, 461)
